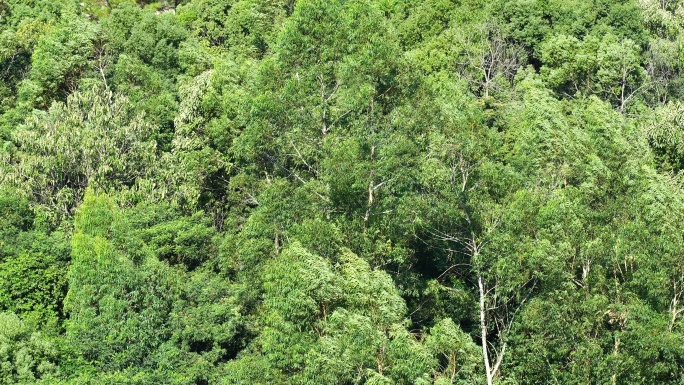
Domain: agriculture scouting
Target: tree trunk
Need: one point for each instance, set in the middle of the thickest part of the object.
(483, 330)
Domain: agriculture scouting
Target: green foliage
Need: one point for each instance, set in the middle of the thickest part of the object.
(341, 323)
(605, 66)
(58, 61)
(32, 265)
(95, 140)
(33, 285)
(247, 26)
(26, 355)
(457, 354)
(664, 133)
(15, 213)
(104, 291)
(201, 192)
(187, 240)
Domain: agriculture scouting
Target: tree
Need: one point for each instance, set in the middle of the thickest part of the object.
(26, 356)
(339, 323)
(58, 61)
(248, 27)
(608, 67)
(663, 132)
(109, 302)
(95, 139)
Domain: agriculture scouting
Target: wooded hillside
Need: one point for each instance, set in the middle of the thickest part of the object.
(306, 192)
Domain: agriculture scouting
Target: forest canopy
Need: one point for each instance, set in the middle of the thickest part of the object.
(306, 192)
